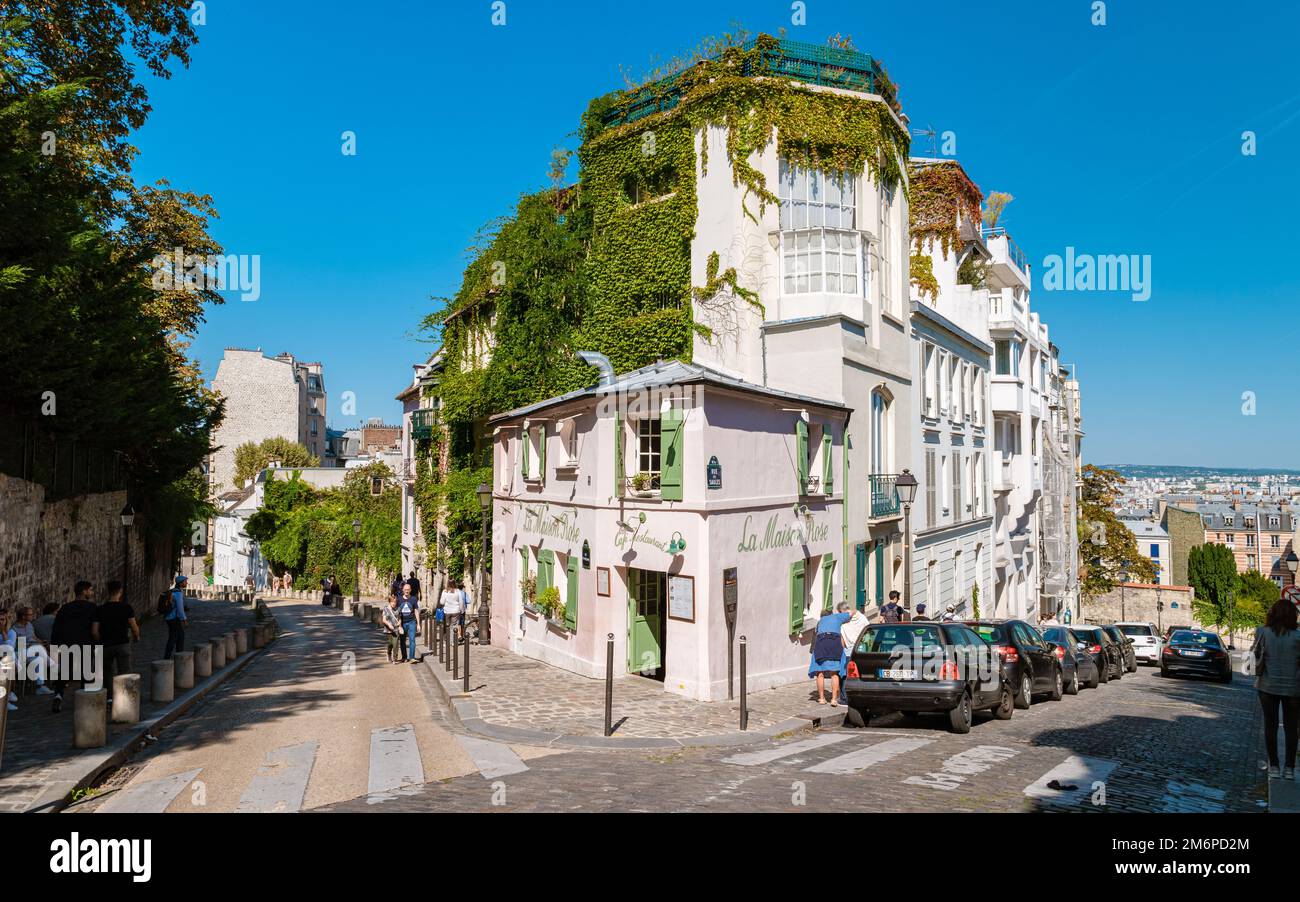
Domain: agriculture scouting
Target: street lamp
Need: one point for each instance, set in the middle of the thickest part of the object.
(1292, 564)
(905, 488)
(127, 517)
(356, 553)
(485, 506)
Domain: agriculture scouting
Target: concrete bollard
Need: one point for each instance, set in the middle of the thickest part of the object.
(203, 660)
(89, 718)
(184, 669)
(162, 681)
(218, 653)
(241, 641)
(126, 698)
(231, 652)
(375, 615)
(257, 637)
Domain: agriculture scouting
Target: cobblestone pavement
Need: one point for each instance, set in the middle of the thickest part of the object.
(1142, 744)
(38, 742)
(514, 691)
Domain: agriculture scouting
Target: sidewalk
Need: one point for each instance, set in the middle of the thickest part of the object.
(39, 763)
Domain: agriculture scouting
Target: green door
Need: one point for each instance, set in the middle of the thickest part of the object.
(645, 603)
(860, 576)
(880, 574)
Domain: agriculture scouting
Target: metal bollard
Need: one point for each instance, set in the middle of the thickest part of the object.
(438, 627)
(744, 697)
(466, 687)
(609, 684)
(447, 650)
(455, 654)
(4, 716)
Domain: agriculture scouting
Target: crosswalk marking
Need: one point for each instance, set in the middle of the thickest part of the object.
(1196, 797)
(150, 797)
(1078, 771)
(767, 756)
(861, 759)
(281, 782)
(956, 769)
(394, 759)
(493, 759)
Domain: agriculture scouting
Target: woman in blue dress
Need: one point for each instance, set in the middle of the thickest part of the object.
(829, 654)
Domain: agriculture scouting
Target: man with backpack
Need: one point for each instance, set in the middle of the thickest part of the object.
(73, 626)
(171, 606)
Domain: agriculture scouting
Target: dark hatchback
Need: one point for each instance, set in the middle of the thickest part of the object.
(1106, 655)
(1125, 645)
(1079, 667)
(1198, 653)
(926, 667)
(1031, 662)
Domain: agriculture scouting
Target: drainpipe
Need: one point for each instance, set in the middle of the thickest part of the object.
(844, 510)
(762, 331)
(601, 363)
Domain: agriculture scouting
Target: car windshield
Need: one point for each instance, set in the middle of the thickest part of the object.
(989, 632)
(1136, 629)
(885, 639)
(1057, 634)
(1088, 636)
(1186, 637)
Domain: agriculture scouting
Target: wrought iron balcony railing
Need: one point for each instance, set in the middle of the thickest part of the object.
(422, 423)
(884, 496)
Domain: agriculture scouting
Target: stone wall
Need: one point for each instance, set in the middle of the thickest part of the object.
(1137, 601)
(45, 547)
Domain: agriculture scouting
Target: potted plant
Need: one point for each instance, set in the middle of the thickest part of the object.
(528, 583)
(642, 483)
(549, 603)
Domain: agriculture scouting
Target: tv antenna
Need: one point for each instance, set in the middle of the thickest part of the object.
(932, 135)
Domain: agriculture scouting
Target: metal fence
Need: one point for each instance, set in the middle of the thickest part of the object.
(65, 466)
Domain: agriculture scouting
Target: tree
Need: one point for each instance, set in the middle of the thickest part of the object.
(1255, 594)
(1212, 571)
(252, 458)
(1106, 546)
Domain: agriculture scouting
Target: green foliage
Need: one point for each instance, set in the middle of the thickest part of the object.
(941, 196)
(975, 601)
(1212, 572)
(1255, 594)
(549, 602)
(994, 205)
(1106, 546)
(973, 272)
(252, 457)
(922, 269)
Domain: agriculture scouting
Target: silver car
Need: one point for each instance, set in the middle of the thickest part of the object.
(1147, 643)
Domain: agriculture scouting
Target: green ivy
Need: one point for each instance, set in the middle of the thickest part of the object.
(922, 267)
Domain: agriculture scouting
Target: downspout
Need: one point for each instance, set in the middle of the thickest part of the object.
(844, 504)
(762, 331)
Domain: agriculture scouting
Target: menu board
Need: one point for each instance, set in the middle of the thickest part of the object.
(681, 598)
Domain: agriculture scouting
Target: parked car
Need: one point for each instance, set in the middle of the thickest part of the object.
(1146, 640)
(926, 667)
(1032, 665)
(1125, 647)
(1196, 652)
(1106, 655)
(1076, 663)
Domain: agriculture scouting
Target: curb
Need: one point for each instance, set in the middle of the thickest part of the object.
(84, 769)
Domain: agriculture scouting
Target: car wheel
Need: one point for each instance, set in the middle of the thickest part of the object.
(1006, 704)
(1095, 681)
(856, 718)
(1226, 678)
(1133, 668)
(1164, 672)
(1025, 695)
(1103, 672)
(1057, 687)
(959, 718)
(1072, 687)
(1119, 671)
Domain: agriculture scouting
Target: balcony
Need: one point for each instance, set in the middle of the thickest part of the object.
(1010, 265)
(1007, 394)
(1002, 478)
(884, 496)
(422, 423)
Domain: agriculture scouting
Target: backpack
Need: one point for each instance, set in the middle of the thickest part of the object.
(165, 603)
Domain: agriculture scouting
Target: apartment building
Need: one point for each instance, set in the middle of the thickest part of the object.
(419, 421)
(1260, 536)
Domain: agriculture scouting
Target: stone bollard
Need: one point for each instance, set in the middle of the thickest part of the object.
(184, 669)
(218, 653)
(203, 660)
(89, 718)
(162, 678)
(376, 615)
(126, 698)
(241, 641)
(231, 652)
(258, 636)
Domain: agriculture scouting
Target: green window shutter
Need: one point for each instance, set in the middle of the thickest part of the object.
(796, 596)
(670, 466)
(541, 452)
(527, 440)
(571, 599)
(828, 472)
(523, 571)
(801, 454)
(545, 570)
(620, 475)
(828, 582)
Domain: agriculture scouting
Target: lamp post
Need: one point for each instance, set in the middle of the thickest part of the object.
(127, 517)
(1292, 564)
(356, 553)
(905, 488)
(485, 507)
(1123, 578)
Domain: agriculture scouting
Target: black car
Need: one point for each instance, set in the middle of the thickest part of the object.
(1031, 662)
(1077, 664)
(924, 666)
(1125, 645)
(1106, 655)
(1196, 652)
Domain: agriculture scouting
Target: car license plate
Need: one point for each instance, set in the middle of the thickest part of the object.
(1194, 654)
(886, 674)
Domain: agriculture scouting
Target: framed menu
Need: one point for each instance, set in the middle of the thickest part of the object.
(602, 581)
(681, 598)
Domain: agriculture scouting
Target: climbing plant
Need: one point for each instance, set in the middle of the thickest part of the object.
(922, 267)
(941, 196)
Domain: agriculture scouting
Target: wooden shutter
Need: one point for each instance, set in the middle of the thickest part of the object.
(545, 570)
(571, 599)
(541, 452)
(828, 471)
(930, 509)
(796, 596)
(828, 582)
(527, 436)
(956, 485)
(670, 463)
(523, 572)
(620, 474)
(801, 454)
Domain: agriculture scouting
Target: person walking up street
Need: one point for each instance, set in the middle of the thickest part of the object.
(414, 582)
(892, 612)
(920, 612)
(1277, 658)
(453, 606)
(115, 628)
(176, 619)
(392, 620)
(72, 627)
(828, 655)
(408, 609)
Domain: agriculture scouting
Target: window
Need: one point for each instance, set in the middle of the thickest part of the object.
(1275, 541)
(1250, 562)
(1227, 519)
(943, 477)
(929, 385)
(569, 441)
(820, 245)
(945, 386)
(1250, 540)
(1273, 522)
(647, 449)
(880, 440)
(1230, 540)
(954, 387)
(1155, 550)
(886, 249)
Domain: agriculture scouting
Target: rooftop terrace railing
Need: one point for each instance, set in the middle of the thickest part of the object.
(1016, 255)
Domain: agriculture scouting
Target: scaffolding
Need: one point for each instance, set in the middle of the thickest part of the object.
(1057, 510)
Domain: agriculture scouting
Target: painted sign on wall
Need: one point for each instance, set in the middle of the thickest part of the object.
(778, 535)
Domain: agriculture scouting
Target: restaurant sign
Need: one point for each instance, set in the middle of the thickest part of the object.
(777, 535)
(540, 521)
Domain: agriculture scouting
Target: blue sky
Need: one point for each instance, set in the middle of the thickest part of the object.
(1119, 139)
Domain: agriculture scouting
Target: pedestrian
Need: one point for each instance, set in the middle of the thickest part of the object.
(828, 655)
(414, 582)
(949, 614)
(920, 612)
(409, 609)
(326, 589)
(392, 619)
(8, 642)
(175, 617)
(114, 626)
(72, 628)
(43, 626)
(851, 632)
(32, 650)
(453, 606)
(248, 582)
(893, 611)
(1277, 657)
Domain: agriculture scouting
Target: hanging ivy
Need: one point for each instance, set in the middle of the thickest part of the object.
(922, 267)
(941, 196)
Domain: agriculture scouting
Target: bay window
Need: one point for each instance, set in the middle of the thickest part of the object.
(821, 250)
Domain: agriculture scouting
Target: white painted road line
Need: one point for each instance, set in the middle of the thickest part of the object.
(767, 756)
(861, 759)
(1195, 797)
(281, 782)
(1078, 771)
(394, 759)
(954, 771)
(150, 797)
(493, 759)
